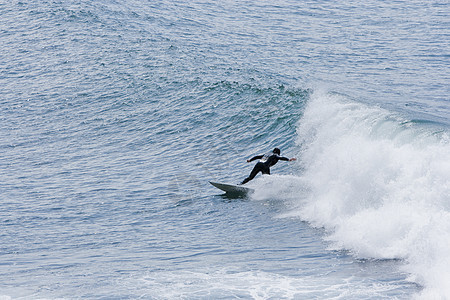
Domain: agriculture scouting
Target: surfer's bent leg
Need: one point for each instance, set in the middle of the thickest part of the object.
(259, 167)
(266, 170)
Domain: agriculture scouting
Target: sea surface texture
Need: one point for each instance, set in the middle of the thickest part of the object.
(114, 115)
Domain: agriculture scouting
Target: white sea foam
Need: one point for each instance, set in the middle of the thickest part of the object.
(227, 284)
(378, 184)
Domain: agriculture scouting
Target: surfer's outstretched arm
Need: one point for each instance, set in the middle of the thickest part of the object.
(255, 158)
(286, 159)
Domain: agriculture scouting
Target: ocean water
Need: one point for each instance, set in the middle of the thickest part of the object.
(115, 114)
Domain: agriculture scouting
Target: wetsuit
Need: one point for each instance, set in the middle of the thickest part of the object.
(263, 166)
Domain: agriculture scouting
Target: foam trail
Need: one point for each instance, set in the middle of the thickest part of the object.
(228, 284)
(379, 185)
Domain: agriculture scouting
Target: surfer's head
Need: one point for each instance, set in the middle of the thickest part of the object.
(276, 151)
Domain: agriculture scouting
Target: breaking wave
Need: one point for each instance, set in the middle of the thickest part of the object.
(377, 183)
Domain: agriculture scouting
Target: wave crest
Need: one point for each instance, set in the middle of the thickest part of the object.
(379, 185)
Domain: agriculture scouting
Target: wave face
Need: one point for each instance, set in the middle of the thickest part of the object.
(379, 185)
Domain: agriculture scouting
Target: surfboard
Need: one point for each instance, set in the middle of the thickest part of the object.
(232, 189)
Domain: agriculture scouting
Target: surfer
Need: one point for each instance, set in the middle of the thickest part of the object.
(266, 161)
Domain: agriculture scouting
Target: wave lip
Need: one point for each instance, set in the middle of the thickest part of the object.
(380, 186)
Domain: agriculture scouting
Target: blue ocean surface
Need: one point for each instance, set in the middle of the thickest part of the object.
(114, 115)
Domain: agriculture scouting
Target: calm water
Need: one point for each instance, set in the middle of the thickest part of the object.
(115, 114)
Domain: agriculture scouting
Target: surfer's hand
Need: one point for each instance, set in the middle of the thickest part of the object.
(248, 160)
(292, 159)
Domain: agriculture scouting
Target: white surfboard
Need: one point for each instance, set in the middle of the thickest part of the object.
(232, 189)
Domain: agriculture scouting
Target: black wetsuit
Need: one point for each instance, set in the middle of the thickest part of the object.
(264, 165)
